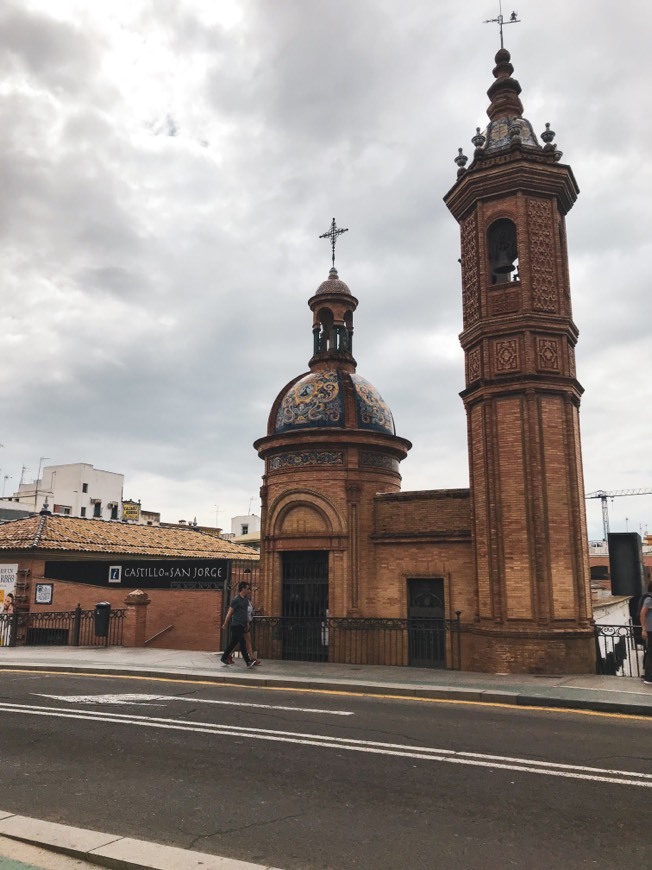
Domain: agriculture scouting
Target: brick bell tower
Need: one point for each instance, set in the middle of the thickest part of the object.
(522, 397)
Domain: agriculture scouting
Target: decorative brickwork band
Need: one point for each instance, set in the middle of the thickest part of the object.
(470, 277)
(548, 354)
(506, 357)
(474, 371)
(505, 302)
(306, 457)
(372, 459)
(544, 294)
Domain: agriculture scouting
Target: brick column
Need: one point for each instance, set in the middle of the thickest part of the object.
(135, 628)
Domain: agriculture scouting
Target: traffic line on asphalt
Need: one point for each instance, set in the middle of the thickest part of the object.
(227, 683)
(150, 700)
(425, 753)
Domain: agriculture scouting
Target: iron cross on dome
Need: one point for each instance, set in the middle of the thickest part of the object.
(332, 234)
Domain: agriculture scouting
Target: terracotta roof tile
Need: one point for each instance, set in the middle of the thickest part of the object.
(74, 535)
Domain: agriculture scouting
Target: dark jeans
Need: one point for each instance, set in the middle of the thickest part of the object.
(647, 660)
(237, 637)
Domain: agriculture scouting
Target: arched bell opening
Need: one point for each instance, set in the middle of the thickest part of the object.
(330, 334)
(323, 330)
(503, 252)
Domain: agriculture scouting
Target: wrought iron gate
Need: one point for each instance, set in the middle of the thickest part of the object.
(619, 650)
(305, 606)
(59, 628)
(426, 623)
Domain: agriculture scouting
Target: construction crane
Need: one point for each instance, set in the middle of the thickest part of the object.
(603, 495)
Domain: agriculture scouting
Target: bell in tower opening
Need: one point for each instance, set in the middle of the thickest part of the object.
(503, 252)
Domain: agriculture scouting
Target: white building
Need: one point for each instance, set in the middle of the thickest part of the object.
(76, 490)
(245, 529)
(245, 525)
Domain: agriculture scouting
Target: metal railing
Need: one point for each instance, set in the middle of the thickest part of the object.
(619, 650)
(59, 628)
(418, 642)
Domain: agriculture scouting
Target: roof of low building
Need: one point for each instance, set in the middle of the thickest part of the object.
(75, 535)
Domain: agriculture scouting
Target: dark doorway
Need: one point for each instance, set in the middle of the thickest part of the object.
(426, 625)
(305, 605)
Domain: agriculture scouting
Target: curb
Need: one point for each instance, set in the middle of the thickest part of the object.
(111, 850)
(444, 693)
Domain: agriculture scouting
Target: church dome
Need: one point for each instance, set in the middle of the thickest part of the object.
(331, 398)
(501, 132)
(333, 284)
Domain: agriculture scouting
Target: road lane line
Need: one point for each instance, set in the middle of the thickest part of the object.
(524, 765)
(122, 699)
(227, 683)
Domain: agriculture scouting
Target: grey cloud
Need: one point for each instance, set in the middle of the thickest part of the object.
(56, 54)
(154, 295)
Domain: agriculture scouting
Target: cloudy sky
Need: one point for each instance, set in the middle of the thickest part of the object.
(166, 168)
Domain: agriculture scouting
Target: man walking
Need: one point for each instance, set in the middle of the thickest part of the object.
(237, 615)
(646, 631)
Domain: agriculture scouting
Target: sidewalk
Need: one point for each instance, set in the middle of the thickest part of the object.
(580, 692)
(51, 846)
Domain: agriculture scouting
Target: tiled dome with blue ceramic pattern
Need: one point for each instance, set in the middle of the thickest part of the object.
(317, 400)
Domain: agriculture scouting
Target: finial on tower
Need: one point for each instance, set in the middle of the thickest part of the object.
(500, 20)
(332, 234)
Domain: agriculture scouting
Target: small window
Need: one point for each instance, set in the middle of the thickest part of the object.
(114, 512)
(82, 512)
(84, 487)
(244, 529)
(97, 509)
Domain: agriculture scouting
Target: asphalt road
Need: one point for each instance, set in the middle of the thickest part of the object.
(307, 779)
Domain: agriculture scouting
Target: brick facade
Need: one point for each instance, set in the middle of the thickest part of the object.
(511, 553)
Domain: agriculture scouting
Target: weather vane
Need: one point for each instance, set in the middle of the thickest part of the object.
(513, 19)
(332, 234)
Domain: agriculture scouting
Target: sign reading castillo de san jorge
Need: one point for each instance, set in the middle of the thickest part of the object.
(145, 574)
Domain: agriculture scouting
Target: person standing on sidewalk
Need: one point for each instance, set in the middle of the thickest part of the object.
(646, 631)
(237, 615)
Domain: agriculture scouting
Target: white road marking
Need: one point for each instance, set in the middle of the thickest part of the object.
(149, 699)
(425, 753)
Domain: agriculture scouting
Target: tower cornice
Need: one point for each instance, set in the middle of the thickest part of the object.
(513, 171)
(517, 323)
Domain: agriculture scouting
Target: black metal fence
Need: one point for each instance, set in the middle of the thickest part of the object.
(619, 650)
(425, 643)
(60, 628)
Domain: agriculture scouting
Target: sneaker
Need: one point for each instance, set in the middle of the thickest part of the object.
(226, 661)
(648, 682)
(229, 660)
(252, 663)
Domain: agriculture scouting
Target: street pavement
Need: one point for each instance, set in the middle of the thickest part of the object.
(582, 692)
(575, 691)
